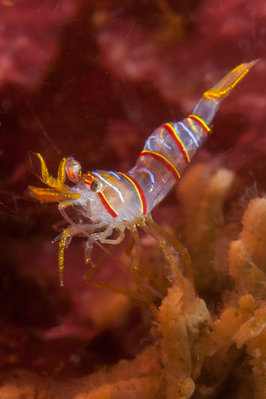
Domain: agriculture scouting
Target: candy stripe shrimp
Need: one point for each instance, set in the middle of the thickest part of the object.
(107, 203)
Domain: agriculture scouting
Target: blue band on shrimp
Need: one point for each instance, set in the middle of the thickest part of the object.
(189, 132)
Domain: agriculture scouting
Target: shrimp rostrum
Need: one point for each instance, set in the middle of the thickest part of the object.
(107, 203)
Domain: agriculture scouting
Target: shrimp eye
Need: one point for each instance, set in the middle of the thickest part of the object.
(96, 186)
(73, 169)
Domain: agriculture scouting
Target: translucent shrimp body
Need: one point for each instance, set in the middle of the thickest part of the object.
(107, 202)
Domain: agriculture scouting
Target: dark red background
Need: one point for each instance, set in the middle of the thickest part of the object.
(92, 79)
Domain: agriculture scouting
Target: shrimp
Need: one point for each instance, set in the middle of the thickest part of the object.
(107, 203)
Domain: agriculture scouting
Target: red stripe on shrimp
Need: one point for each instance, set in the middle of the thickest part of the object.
(140, 192)
(179, 143)
(107, 205)
(206, 129)
(160, 158)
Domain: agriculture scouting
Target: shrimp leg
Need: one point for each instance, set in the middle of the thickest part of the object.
(170, 246)
(134, 268)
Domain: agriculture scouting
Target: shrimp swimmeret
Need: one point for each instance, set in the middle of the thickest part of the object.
(108, 203)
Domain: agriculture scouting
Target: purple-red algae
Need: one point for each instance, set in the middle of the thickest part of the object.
(29, 37)
(92, 80)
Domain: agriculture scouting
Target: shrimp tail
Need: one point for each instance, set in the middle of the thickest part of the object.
(211, 99)
(225, 85)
